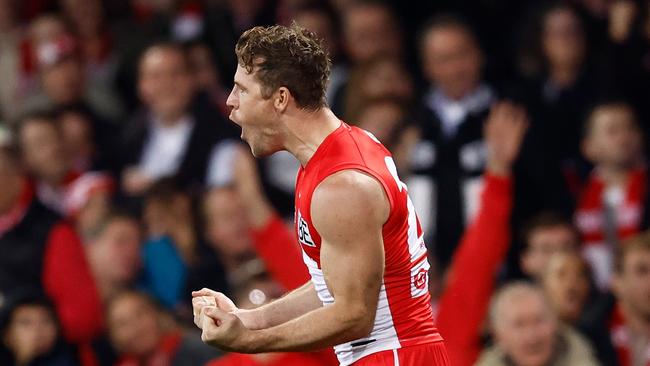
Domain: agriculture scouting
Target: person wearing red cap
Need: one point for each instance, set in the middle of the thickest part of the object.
(77, 195)
(62, 81)
(43, 253)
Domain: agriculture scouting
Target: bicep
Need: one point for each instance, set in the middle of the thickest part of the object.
(349, 211)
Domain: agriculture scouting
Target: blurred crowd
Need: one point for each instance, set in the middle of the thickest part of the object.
(518, 126)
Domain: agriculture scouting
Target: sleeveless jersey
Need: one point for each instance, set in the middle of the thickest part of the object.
(403, 315)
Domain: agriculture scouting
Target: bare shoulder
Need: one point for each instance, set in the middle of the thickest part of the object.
(349, 198)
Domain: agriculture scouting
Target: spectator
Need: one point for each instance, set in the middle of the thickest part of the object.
(171, 248)
(379, 77)
(526, 332)
(610, 206)
(227, 228)
(208, 79)
(268, 232)
(566, 280)
(619, 328)
(560, 82)
(471, 278)
(386, 119)
(58, 186)
(12, 34)
(369, 29)
(50, 257)
(63, 81)
(114, 253)
(544, 235)
(383, 118)
(451, 153)
(88, 24)
(170, 135)
(81, 141)
(31, 334)
(137, 333)
(624, 62)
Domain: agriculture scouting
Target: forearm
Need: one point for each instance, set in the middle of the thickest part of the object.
(284, 309)
(315, 330)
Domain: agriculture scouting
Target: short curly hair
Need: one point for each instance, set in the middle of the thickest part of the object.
(292, 57)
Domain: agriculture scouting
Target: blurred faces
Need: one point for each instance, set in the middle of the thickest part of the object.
(114, 254)
(388, 77)
(133, 325)
(370, 30)
(452, 61)
(632, 284)
(77, 134)
(165, 83)
(319, 23)
(563, 40)
(613, 139)
(46, 28)
(31, 332)
(227, 225)
(380, 119)
(542, 243)
(204, 71)
(63, 82)
(86, 15)
(11, 179)
(254, 114)
(42, 150)
(524, 326)
(566, 283)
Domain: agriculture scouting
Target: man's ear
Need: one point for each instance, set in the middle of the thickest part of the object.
(281, 99)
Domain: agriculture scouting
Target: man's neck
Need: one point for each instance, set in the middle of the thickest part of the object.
(613, 175)
(169, 120)
(14, 190)
(637, 323)
(563, 76)
(306, 131)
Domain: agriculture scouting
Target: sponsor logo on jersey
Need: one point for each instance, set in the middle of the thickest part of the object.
(304, 237)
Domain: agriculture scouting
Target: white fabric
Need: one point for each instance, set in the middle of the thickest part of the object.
(453, 112)
(221, 164)
(165, 148)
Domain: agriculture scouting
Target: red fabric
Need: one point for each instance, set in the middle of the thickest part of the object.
(590, 212)
(277, 247)
(620, 335)
(280, 359)
(433, 354)
(464, 303)
(162, 356)
(87, 356)
(68, 282)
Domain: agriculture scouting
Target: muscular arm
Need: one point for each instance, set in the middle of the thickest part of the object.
(349, 209)
(288, 307)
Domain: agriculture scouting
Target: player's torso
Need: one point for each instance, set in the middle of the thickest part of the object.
(404, 314)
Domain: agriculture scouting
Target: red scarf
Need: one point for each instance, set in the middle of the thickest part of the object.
(163, 355)
(620, 335)
(590, 212)
(590, 219)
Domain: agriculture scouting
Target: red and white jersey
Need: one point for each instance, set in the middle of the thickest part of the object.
(404, 315)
